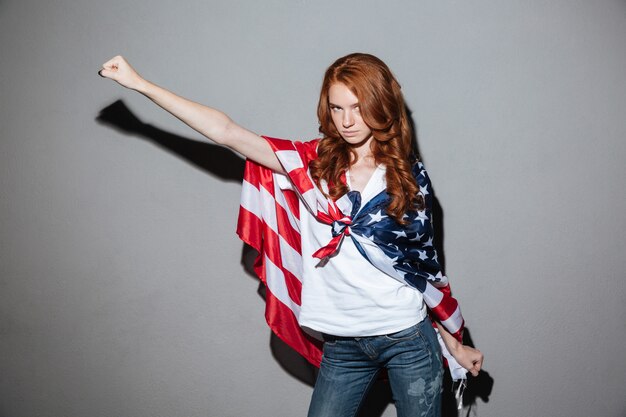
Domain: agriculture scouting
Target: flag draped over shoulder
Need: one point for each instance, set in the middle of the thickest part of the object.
(269, 221)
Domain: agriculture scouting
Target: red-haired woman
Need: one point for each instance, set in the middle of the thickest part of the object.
(371, 281)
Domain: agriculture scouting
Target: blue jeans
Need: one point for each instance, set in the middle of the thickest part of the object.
(350, 365)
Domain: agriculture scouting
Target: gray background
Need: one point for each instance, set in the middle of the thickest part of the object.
(122, 290)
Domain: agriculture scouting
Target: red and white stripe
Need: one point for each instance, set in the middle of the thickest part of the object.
(269, 222)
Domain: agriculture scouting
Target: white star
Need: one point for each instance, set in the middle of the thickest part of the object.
(423, 255)
(435, 258)
(424, 190)
(376, 217)
(399, 234)
(429, 242)
(421, 216)
(417, 237)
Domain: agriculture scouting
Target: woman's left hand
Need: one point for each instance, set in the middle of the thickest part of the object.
(469, 358)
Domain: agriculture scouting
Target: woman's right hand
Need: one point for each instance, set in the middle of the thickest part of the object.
(118, 69)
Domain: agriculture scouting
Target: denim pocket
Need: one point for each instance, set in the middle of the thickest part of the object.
(406, 334)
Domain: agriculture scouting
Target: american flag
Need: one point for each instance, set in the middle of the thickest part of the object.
(269, 222)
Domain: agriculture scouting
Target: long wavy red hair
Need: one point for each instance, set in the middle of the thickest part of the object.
(384, 111)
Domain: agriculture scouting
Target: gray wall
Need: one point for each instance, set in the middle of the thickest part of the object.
(122, 291)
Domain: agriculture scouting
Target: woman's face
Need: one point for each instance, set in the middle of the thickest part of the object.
(346, 115)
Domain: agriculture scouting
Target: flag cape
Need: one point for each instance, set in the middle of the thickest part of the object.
(269, 221)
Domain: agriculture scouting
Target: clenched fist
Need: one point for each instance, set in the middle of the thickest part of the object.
(118, 69)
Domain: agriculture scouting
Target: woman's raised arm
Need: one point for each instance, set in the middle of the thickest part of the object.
(210, 122)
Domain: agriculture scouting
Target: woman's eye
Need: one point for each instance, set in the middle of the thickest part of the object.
(335, 108)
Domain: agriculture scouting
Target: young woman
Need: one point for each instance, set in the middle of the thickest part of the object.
(370, 276)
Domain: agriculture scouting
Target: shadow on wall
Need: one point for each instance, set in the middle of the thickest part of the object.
(226, 165)
(477, 387)
(213, 159)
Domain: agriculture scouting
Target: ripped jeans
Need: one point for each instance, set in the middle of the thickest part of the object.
(350, 365)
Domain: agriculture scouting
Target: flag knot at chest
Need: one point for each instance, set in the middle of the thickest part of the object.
(339, 226)
(339, 216)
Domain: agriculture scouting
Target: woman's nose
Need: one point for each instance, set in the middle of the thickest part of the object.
(348, 119)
